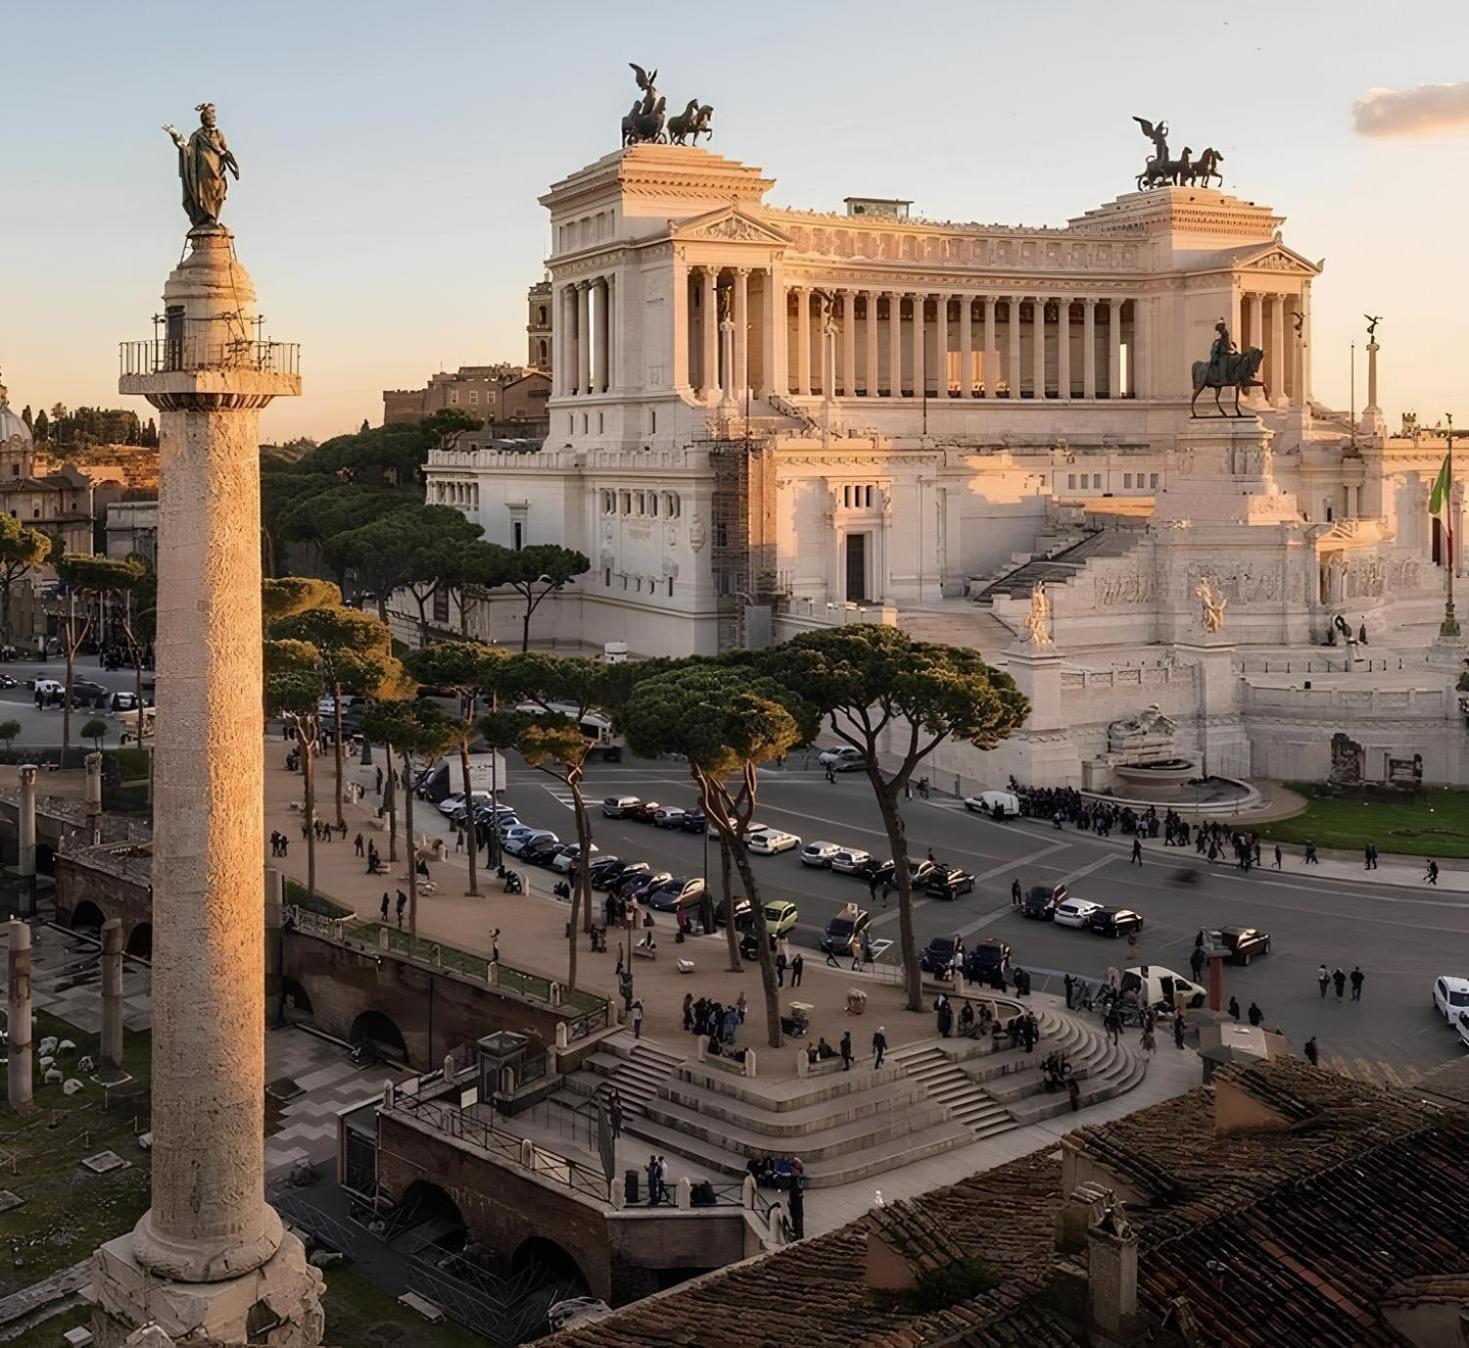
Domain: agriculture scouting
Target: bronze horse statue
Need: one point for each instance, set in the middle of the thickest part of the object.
(640, 126)
(1206, 166)
(691, 123)
(1241, 367)
(1186, 171)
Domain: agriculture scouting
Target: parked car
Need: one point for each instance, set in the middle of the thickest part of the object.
(118, 701)
(1450, 996)
(848, 860)
(670, 816)
(873, 869)
(940, 956)
(675, 892)
(523, 843)
(570, 855)
(770, 841)
(615, 807)
(624, 879)
(995, 804)
(1041, 900)
(850, 921)
(919, 871)
(1242, 943)
(643, 811)
(543, 851)
(1075, 912)
(1114, 922)
(450, 804)
(981, 960)
(781, 916)
(818, 853)
(694, 822)
(1462, 1025)
(1161, 986)
(607, 871)
(88, 693)
(845, 758)
(948, 882)
(49, 687)
(640, 886)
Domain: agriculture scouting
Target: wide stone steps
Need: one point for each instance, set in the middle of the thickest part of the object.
(965, 624)
(1058, 566)
(634, 1067)
(882, 1097)
(947, 1084)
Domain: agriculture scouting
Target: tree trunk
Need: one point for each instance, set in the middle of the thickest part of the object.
(337, 717)
(892, 820)
(390, 802)
(409, 844)
(525, 628)
(471, 836)
(308, 807)
(726, 891)
(71, 655)
(762, 940)
(581, 890)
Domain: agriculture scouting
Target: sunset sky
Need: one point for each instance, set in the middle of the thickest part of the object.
(392, 155)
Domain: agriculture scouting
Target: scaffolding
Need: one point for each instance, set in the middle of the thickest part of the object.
(743, 520)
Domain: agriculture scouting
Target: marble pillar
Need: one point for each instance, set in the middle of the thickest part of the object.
(209, 1259)
(92, 796)
(803, 341)
(895, 344)
(583, 337)
(1114, 349)
(1063, 347)
(1012, 365)
(1038, 348)
(991, 350)
(849, 344)
(741, 380)
(26, 862)
(920, 368)
(18, 1013)
(112, 993)
(1089, 348)
(871, 352)
(966, 346)
(1277, 350)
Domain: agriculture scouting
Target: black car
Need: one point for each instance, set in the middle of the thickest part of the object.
(606, 874)
(873, 869)
(939, 956)
(694, 822)
(1242, 943)
(633, 886)
(1114, 922)
(86, 693)
(981, 960)
(851, 921)
(1041, 900)
(948, 882)
(542, 853)
(674, 893)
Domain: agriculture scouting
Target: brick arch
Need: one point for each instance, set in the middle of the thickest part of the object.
(552, 1257)
(86, 914)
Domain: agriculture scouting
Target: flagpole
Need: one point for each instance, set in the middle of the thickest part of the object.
(1450, 625)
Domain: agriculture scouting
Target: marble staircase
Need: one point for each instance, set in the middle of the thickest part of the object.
(948, 1084)
(1060, 565)
(959, 622)
(635, 1067)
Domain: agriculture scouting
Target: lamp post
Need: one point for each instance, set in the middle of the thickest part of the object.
(1450, 625)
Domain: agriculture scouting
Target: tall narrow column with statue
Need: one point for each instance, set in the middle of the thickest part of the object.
(209, 1263)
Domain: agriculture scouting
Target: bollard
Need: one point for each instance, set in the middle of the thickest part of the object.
(685, 1193)
(749, 1062)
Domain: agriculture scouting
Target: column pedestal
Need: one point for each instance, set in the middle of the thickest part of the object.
(1043, 746)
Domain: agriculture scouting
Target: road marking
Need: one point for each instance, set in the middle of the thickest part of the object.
(1028, 860)
(561, 795)
(1085, 870)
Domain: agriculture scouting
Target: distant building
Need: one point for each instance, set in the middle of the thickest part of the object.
(511, 400)
(538, 327)
(132, 530)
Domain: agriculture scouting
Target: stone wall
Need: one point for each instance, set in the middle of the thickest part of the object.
(112, 879)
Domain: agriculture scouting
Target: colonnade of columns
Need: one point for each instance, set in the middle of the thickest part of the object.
(1276, 323)
(584, 337)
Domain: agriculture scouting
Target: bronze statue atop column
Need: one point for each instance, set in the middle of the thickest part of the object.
(204, 163)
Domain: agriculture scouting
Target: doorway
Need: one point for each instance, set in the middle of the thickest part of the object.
(856, 546)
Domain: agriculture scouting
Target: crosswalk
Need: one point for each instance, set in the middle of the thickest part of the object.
(562, 795)
(1375, 1071)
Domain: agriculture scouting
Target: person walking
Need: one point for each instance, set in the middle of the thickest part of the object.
(1196, 961)
(1312, 1053)
(1322, 979)
(1277, 856)
(846, 1050)
(1340, 979)
(637, 1019)
(872, 888)
(1015, 893)
(1178, 1028)
(385, 905)
(402, 907)
(879, 1047)
(1431, 874)
(652, 1172)
(1369, 858)
(358, 846)
(1234, 1009)
(830, 775)
(1137, 851)
(1357, 977)
(1256, 1015)
(1149, 1043)
(1311, 858)
(798, 966)
(614, 1112)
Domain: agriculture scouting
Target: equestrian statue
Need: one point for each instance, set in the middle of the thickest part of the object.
(687, 126)
(1161, 171)
(1227, 368)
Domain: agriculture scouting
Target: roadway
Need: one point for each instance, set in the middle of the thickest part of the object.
(1402, 938)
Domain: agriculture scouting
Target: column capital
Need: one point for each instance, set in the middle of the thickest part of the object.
(742, 271)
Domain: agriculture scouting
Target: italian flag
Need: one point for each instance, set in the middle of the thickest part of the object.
(1438, 501)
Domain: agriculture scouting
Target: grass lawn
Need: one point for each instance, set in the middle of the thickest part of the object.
(1436, 824)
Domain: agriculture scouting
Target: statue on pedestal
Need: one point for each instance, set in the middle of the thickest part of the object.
(1227, 368)
(204, 164)
(1213, 603)
(1038, 620)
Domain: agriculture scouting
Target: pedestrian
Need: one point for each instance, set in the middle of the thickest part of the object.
(1312, 1053)
(872, 889)
(1357, 977)
(797, 967)
(458, 839)
(379, 781)
(830, 775)
(1073, 1092)
(637, 1019)
(1137, 851)
(1323, 978)
(358, 846)
(1431, 874)
(1277, 856)
(1015, 893)
(1112, 1023)
(385, 905)
(688, 1011)
(879, 1047)
(887, 893)
(614, 1112)
(402, 907)
(1311, 859)
(652, 1171)
(1367, 857)
(1070, 984)
(780, 969)
(1149, 1043)
(1178, 1028)
(1234, 1009)
(495, 946)
(1256, 1015)
(846, 1050)
(741, 1006)
(1340, 979)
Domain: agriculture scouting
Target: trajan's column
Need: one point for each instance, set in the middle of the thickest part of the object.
(209, 1262)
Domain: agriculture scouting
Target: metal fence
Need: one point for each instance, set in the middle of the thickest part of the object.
(165, 355)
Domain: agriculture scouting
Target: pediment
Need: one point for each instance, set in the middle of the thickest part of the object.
(1277, 258)
(729, 224)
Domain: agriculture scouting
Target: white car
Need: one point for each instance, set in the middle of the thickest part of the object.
(818, 853)
(1075, 912)
(842, 759)
(452, 802)
(1450, 996)
(569, 855)
(519, 841)
(1193, 995)
(769, 841)
(846, 860)
(996, 804)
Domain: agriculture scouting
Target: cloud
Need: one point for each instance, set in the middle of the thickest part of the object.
(1428, 110)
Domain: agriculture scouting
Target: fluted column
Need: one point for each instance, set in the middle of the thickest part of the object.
(1063, 347)
(1012, 366)
(941, 345)
(774, 381)
(895, 344)
(741, 332)
(1114, 348)
(613, 369)
(1038, 345)
(1277, 347)
(1142, 346)
(583, 337)
(849, 343)
(966, 346)
(871, 362)
(1255, 308)
(991, 350)
(681, 334)
(598, 290)
(920, 372)
(709, 333)
(803, 341)
(1089, 348)
(1303, 384)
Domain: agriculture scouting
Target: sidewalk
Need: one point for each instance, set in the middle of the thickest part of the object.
(533, 930)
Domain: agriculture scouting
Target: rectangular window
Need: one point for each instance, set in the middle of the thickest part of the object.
(624, 500)
(441, 605)
(607, 577)
(600, 424)
(474, 397)
(571, 423)
(519, 528)
(1096, 479)
(1071, 481)
(653, 416)
(642, 503)
(1127, 479)
(653, 504)
(670, 587)
(1152, 479)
